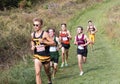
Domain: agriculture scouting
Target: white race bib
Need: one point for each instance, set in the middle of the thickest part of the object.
(64, 38)
(80, 47)
(53, 49)
(40, 48)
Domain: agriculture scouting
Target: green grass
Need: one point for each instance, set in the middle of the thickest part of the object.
(102, 65)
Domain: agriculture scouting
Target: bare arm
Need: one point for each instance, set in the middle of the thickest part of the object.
(75, 42)
(59, 36)
(95, 29)
(58, 41)
(32, 43)
(69, 35)
(87, 29)
(47, 40)
(88, 41)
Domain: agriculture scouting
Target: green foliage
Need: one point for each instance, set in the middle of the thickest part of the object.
(15, 39)
(80, 1)
(102, 64)
(20, 74)
(7, 4)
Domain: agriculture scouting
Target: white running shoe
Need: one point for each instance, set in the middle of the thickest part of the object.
(81, 73)
(62, 65)
(66, 64)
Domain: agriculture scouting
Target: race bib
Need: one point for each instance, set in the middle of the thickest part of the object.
(40, 48)
(64, 38)
(80, 47)
(53, 49)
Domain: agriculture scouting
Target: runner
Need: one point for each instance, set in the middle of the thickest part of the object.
(54, 54)
(81, 41)
(91, 29)
(40, 45)
(64, 36)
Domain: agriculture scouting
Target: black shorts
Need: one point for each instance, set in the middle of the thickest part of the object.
(82, 52)
(55, 60)
(66, 46)
(54, 56)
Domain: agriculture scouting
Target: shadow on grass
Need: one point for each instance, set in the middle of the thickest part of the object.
(73, 64)
(67, 76)
(94, 69)
(99, 48)
(67, 69)
(69, 65)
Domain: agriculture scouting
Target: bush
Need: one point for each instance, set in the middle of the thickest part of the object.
(7, 4)
(15, 40)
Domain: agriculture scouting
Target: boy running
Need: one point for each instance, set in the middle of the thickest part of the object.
(54, 51)
(81, 41)
(91, 29)
(40, 45)
(64, 36)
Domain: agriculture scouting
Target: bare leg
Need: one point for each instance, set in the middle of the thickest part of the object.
(51, 66)
(66, 55)
(66, 59)
(63, 56)
(38, 66)
(80, 64)
(55, 69)
(47, 70)
(84, 59)
(91, 45)
(92, 42)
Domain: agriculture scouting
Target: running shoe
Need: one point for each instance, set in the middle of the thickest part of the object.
(81, 73)
(62, 65)
(66, 64)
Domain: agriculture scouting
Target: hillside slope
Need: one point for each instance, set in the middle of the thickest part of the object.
(102, 66)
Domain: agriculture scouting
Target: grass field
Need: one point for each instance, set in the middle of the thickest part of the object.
(102, 67)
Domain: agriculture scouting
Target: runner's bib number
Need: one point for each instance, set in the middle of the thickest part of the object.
(65, 38)
(40, 48)
(80, 47)
(53, 49)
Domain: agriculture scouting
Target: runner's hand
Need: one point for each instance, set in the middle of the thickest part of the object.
(82, 45)
(33, 47)
(76, 43)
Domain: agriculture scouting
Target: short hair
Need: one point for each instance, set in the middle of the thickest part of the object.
(64, 24)
(52, 28)
(89, 21)
(80, 27)
(39, 20)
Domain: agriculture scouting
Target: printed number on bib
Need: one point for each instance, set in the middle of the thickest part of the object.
(80, 47)
(40, 48)
(53, 49)
(65, 38)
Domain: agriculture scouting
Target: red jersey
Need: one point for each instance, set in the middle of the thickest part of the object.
(64, 37)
